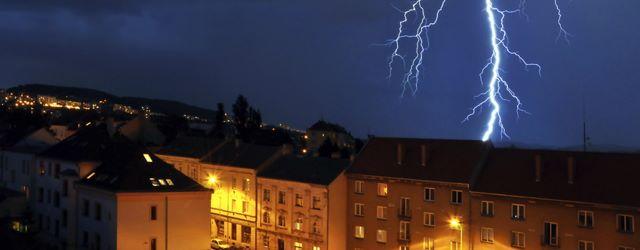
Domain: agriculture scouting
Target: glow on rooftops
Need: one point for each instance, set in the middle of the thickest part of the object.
(147, 157)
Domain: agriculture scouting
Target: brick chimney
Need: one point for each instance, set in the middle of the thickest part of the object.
(400, 154)
(571, 169)
(538, 166)
(423, 155)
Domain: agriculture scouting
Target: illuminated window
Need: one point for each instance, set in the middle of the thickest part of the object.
(91, 175)
(585, 218)
(382, 189)
(154, 182)
(281, 197)
(266, 218)
(315, 248)
(297, 245)
(299, 200)
(245, 206)
(486, 208)
(359, 232)
(381, 212)
(585, 245)
(429, 194)
(298, 224)
(405, 232)
(245, 185)
(282, 221)
(486, 235)
(147, 158)
(316, 202)
(358, 209)
(170, 182)
(455, 245)
(266, 195)
(162, 183)
(428, 244)
(381, 236)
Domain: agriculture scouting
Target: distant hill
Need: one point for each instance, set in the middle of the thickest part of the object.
(91, 95)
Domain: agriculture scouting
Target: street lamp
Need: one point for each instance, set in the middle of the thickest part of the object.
(456, 224)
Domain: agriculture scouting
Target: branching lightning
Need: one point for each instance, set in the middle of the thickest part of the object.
(498, 88)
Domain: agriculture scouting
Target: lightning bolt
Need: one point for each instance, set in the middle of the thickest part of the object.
(498, 88)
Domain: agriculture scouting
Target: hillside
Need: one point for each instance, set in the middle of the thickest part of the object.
(91, 95)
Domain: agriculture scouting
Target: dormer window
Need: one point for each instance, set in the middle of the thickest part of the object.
(154, 182)
(162, 182)
(170, 182)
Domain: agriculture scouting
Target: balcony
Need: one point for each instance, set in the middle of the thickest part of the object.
(404, 214)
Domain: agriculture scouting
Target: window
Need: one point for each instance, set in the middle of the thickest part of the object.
(280, 244)
(550, 236)
(266, 195)
(65, 188)
(265, 241)
(429, 194)
(585, 245)
(517, 239)
(233, 183)
(315, 228)
(56, 171)
(625, 248)
(625, 223)
(381, 212)
(316, 202)
(56, 199)
(245, 184)
(403, 247)
(585, 219)
(282, 221)
(428, 219)
(456, 197)
(358, 209)
(154, 244)
(246, 234)
(233, 205)
(245, 207)
(85, 207)
(405, 207)
(455, 245)
(315, 248)
(234, 231)
(405, 232)
(298, 224)
(281, 197)
(428, 244)
(383, 190)
(358, 187)
(517, 211)
(154, 213)
(486, 235)
(42, 170)
(266, 218)
(359, 232)
(297, 246)
(299, 200)
(98, 211)
(486, 208)
(381, 236)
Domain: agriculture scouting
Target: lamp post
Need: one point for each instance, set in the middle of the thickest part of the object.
(456, 224)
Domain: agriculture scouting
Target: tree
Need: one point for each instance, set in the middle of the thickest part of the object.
(255, 119)
(220, 115)
(241, 112)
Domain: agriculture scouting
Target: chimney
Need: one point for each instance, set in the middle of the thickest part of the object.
(538, 167)
(571, 169)
(423, 155)
(400, 153)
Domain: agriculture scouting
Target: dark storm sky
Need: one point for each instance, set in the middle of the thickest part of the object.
(301, 60)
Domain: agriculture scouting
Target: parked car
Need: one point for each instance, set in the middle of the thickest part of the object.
(220, 244)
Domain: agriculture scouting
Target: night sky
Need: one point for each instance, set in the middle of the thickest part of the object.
(298, 61)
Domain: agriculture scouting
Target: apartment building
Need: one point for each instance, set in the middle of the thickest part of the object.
(412, 193)
(302, 205)
(186, 152)
(18, 150)
(134, 200)
(538, 199)
(231, 171)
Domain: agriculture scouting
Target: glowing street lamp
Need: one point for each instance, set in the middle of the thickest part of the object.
(212, 180)
(456, 224)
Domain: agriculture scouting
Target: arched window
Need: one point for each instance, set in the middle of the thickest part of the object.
(266, 218)
(282, 221)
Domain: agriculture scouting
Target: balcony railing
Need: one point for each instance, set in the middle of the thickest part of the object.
(404, 237)
(404, 214)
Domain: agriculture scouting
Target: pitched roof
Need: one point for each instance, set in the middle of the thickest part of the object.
(241, 154)
(27, 140)
(132, 168)
(315, 170)
(446, 160)
(87, 144)
(605, 178)
(189, 146)
(327, 126)
(13, 136)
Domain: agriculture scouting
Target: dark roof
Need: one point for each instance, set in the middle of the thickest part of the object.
(127, 170)
(315, 170)
(605, 178)
(327, 126)
(189, 146)
(87, 144)
(241, 154)
(447, 160)
(13, 136)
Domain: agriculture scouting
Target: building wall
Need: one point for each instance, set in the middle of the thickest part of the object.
(99, 221)
(17, 170)
(441, 233)
(604, 233)
(269, 233)
(182, 220)
(188, 166)
(337, 233)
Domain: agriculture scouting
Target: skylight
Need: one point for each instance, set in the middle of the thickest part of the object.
(91, 175)
(162, 182)
(170, 182)
(147, 157)
(154, 182)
